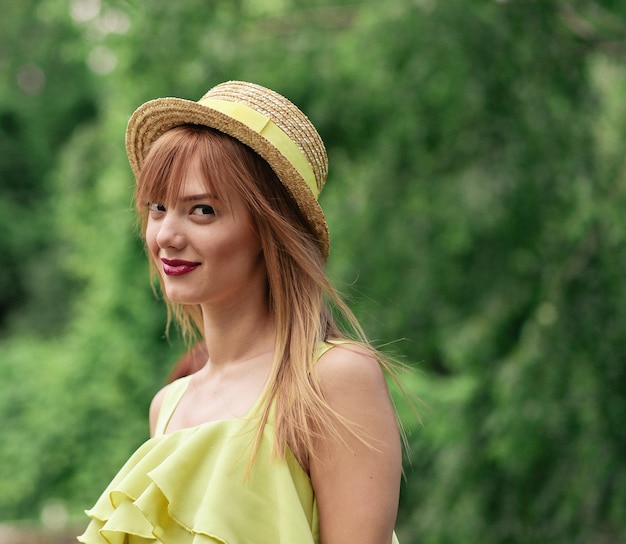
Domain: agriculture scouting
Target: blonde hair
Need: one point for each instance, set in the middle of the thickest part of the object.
(301, 299)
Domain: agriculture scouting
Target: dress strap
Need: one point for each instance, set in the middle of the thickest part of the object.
(323, 347)
(172, 397)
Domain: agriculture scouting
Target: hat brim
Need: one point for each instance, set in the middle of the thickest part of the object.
(156, 117)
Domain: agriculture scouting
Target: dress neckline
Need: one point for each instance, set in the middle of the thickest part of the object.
(177, 389)
(172, 399)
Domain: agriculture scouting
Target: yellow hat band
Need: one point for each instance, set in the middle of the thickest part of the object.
(265, 127)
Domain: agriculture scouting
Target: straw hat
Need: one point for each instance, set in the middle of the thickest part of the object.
(260, 118)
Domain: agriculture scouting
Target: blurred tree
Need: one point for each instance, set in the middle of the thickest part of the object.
(43, 98)
(481, 182)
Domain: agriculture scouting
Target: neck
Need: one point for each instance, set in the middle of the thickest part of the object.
(239, 331)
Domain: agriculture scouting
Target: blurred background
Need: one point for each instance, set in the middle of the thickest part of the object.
(477, 207)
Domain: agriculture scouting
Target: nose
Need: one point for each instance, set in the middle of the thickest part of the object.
(170, 233)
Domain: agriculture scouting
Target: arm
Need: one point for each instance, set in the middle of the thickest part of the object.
(357, 485)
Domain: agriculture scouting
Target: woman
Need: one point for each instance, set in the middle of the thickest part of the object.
(287, 433)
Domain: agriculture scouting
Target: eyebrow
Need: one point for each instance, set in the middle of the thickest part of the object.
(203, 196)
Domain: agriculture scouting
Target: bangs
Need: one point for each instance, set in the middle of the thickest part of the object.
(166, 164)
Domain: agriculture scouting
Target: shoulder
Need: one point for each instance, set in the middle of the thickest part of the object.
(155, 408)
(359, 459)
(167, 399)
(352, 366)
(353, 384)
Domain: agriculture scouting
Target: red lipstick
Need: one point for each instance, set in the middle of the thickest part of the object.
(177, 267)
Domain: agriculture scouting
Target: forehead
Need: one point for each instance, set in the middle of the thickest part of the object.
(192, 180)
(181, 161)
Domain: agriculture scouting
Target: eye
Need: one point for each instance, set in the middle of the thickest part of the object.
(203, 210)
(155, 207)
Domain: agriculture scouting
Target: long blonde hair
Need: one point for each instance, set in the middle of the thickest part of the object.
(302, 301)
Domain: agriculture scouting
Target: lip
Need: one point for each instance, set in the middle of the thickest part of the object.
(178, 267)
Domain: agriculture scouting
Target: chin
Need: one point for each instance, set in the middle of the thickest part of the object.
(181, 298)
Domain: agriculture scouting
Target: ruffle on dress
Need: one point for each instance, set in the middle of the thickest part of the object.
(190, 487)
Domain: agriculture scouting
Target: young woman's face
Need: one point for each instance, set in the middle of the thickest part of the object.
(207, 251)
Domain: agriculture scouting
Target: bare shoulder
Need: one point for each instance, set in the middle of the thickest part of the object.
(155, 408)
(350, 366)
(353, 383)
(356, 470)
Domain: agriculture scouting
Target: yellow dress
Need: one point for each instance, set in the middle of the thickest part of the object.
(190, 487)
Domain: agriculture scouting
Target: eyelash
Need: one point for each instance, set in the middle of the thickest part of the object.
(209, 210)
(154, 207)
(206, 208)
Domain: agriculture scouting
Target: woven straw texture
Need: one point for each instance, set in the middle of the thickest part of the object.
(155, 117)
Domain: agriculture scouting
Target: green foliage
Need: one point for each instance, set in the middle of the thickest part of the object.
(38, 113)
(475, 200)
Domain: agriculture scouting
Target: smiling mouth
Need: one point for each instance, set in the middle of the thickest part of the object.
(176, 267)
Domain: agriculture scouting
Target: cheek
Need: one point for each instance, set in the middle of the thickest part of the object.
(151, 234)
